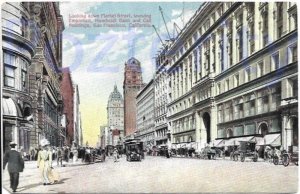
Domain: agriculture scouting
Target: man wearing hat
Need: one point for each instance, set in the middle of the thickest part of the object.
(15, 165)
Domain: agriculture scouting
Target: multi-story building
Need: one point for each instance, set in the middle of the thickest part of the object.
(104, 136)
(115, 112)
(145, 115)
(76, 126)
(233, 74)
(67, 91)
(161, 99)
(133, 82)
(32, 56)
(80, 138)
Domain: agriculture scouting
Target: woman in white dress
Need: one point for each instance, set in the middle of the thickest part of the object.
(44, 162)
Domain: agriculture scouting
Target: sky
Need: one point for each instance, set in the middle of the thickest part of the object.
(97, 55)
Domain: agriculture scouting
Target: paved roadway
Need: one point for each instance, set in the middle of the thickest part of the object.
(160, 175)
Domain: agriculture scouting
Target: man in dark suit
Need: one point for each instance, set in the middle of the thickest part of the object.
(15, 165)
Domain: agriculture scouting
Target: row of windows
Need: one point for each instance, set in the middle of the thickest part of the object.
(205, 59)
(50, 110)
(248, 129)
(257, 70)
(184, 124)
(181, 106)
(249, 105)
(161, 133)
(209, 22)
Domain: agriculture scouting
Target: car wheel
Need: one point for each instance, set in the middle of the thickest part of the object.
(285, 160)
(296, 163)
(255, 157)
(242, 157)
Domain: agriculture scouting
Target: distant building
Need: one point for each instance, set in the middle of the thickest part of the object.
(145, 115)
(67, 91)
(133, 82)
(80, 138)
(115, 112)
(76, 115)
(104, 137)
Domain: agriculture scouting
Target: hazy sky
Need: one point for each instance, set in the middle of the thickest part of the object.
(97, 56)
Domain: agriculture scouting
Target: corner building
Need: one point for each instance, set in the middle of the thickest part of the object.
(234, 75)
(32, 58)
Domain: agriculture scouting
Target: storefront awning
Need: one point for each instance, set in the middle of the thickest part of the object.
(218, 143)
(271, 139)
(10, 108)
(235, 141)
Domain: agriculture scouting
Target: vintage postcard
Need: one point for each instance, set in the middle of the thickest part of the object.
(149, 97)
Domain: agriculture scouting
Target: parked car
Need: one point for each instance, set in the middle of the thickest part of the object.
(246, 149)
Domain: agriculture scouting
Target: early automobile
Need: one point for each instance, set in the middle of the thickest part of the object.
(134, 149)
(208, 153)
(246, 149)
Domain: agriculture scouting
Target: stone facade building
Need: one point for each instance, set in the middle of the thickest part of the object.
(145, 115)
(161, 100)
(234, 75)
(115, 111)
(32, 58)
(133, 82)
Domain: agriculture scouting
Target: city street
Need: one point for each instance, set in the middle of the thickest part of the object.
(158, 174)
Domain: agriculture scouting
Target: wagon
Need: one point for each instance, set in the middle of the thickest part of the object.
(246, 149)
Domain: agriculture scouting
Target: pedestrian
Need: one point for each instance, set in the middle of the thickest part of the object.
(15, 165)
(75, 154)
(32, 154)
(115, 154)
(59, 157)
(44, 162)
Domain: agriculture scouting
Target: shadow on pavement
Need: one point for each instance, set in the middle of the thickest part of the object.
(38, 184)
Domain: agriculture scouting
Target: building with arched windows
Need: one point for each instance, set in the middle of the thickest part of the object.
(233, 74)
(32, 58)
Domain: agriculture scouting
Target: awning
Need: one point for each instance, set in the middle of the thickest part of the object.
(218, 143)
(235, 141)
(174, 146)
(182, 145)
(10, 108)
(271, 139)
